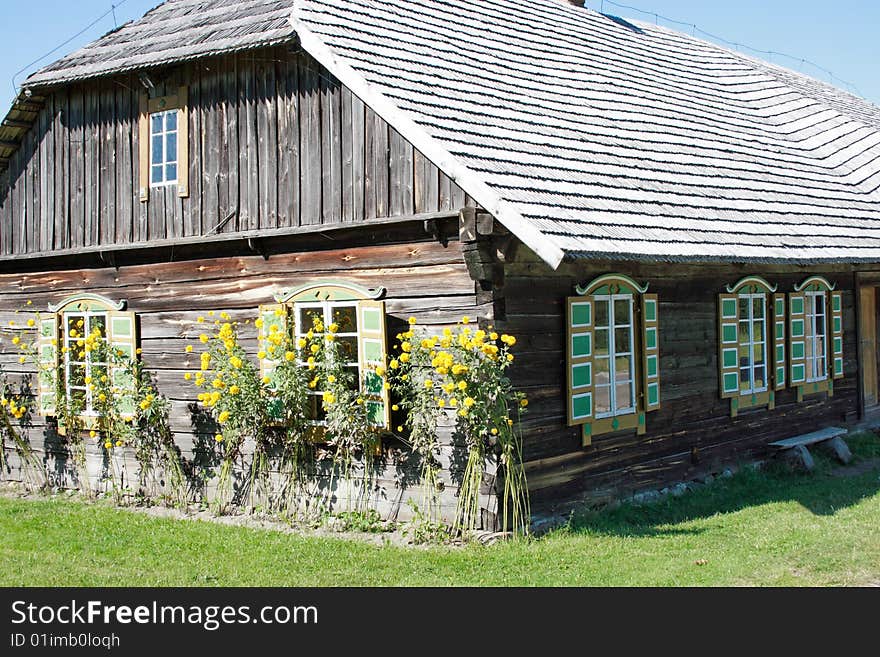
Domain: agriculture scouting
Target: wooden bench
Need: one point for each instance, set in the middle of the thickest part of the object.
(795, 451)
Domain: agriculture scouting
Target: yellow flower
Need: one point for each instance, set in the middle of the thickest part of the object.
(211, 313)
(313, 383)
(108, 445)
(493, 335)
(333, 327)
(301, 343)
(463, 412)
(203, 338)
(289, 356)
(188, 349)
(144, 405)
(29, 302)
(509, 358)
(88, 379)
(224, 315)
(21, 359)
(400, 429)
(387, 386)
(404, 358)
(441, 403)
(494, 431)
(405, 347)
(218, 383)
(102, 397)
(119, 443)
(93, 433)
(266, 380)
(16, 340)
(261, 355)
(429, 384)
(31, 323)
(187, 376)
(259, 322)
(465, 320)
(524, 403)
(235, 361)
(200, 319)
(219, 437)
(394, 364)
(331, 379)
(329, 398)
(453, 402)
(412, 321)
(359, 401)
(223, 417)
(509, 422)
(314, 348)
(234, 390)
(395, 407)
(138, 351)
(380, 370)
(462, 385)
(469, 401)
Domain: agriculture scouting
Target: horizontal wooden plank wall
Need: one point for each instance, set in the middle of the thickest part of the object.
(692, 416)
(425, 280)
(275, 141)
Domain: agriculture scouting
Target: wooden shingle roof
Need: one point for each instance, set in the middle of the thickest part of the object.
(587, 135)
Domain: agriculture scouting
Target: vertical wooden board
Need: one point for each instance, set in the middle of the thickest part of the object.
(868, 345)
(427, 184)
(230, 83)
(62, 169)
(331, 152)
(347, 144)
(407, 178)
(251, 143)
(288, 142)
(310, 144)
(357, 157)
(107, 156)
(33, 232)
(92, 179)
(183, 148)
(47, 196)
(369, 164)
(380, 165)
(126, 183)
(76, 169)
(192, 205)
(457, 197)
(396, 172)
(210, 150)
(141, 148)
(267, 136)
(446, 185)
(225, 104)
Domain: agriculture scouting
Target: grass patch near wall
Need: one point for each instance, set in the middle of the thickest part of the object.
(767, 527)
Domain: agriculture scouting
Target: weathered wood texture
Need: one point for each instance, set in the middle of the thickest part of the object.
(275, 141)
(424, 279)
(693, 431)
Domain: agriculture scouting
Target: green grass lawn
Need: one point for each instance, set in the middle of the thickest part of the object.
(757, 528)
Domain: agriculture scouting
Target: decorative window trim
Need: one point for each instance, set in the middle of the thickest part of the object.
(149, 106)
(802, 324)
(120, 331)
(371, 332)
(729, 344)
(580, 356)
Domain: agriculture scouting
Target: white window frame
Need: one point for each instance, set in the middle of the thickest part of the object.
(613, 355)
(89, 408)
(326, 308)
(751, 342)
(164, 135)
(811, 323)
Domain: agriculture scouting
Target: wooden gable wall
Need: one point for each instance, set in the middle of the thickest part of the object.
(275, 142)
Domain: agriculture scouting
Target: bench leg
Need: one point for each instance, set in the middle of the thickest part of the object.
(837, 448)
(798, 458)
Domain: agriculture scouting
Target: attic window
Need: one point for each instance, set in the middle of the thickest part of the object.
(163, 144)
(163, 148)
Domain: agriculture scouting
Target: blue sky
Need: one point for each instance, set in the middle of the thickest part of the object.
(840, 37)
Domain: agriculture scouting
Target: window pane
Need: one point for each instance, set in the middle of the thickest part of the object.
(171, 120)
(624, 396)
(621, 340)
(79, 397)
(601, 347)
(77, 375)
(603, 399)
(155, 124)
(760, 381)
(171, 173)
(346, 318)
(171, 148)
(98, 322)
(352, 382)
(758, 331)
(743, 332)
(602, 374)
(758, 353)
(158, 154)
(316, 408)
(347, 349)
(744, 303)
(745, 385)
(621, 312)
(157, 174)
(601, 312)
(623, 368)
(758, 307)
(307, 317)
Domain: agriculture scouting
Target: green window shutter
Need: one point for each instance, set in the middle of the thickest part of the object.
(122, 339)
(272, 315)
(778, 332)
(836, 333)
(728, 345)
(651, 351)
(579, 361)
(797, 371)
(47, 345)
(372, 338)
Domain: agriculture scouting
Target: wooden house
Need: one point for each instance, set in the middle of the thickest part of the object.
(684, 239)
